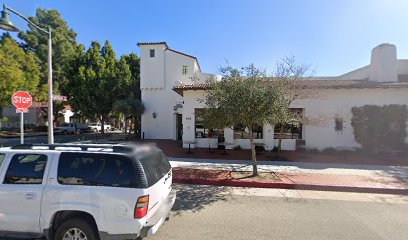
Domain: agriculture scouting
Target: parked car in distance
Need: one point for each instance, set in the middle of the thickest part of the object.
(68, 128)
(96, 127)
(94, 191)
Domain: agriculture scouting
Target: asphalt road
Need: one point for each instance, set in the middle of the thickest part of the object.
(205, 212)
(6, 142)
(208, 212)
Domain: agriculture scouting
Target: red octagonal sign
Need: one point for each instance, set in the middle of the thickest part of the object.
(22, 100)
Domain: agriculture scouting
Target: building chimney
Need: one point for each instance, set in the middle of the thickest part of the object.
(384, 65)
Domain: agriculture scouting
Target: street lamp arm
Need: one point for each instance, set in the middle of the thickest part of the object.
(26, 19)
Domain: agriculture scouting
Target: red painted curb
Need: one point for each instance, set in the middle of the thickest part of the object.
(240, 183)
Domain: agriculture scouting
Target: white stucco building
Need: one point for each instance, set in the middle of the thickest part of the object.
(172, 85)
(161, 69)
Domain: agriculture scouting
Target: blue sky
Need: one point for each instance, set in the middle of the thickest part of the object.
(333, 36)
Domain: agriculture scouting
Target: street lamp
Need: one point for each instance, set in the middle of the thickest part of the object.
(7, 25)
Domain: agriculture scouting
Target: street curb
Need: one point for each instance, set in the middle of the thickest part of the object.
(254, 184)
(25, 136)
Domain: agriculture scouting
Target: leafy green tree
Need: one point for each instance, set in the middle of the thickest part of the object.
(63, 48)
(19, 70)
(63, 44)
(97, 81)
(243, 96)
(134, 66)
(131, 109)
(131, 94)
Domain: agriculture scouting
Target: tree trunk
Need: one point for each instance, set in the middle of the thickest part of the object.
(124, 124)
(138, 121)
(253, 152)
(1, 118)
(280, 140)
(130, 126)
(102, 124)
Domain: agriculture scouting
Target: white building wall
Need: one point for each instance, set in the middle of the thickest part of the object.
(191, 102)
(158, 76)
(402, 66)
(152, 68)
(174, 63)
(320, 112)
(384, 66)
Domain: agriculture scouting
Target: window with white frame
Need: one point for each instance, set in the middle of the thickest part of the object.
(152, 53)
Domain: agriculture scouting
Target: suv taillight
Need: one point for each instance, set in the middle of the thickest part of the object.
(141, 207)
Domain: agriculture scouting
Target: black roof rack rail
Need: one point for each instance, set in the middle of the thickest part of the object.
(22, 146)
(83, 147)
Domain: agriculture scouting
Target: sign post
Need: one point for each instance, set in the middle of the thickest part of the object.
(22, 100)
(22, 128)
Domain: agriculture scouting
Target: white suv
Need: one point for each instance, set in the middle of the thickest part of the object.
(84, 192)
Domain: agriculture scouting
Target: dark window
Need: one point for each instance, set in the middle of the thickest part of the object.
(338, 124)
(26, 169)
(290, 131)
(293, 129)
(242, 132)
(155, 167)
(97, 170)
(2, 156)
(185, 70)
(152, 52)
(204, 132)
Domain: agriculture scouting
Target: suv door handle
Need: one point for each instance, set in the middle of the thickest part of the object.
(31, 196)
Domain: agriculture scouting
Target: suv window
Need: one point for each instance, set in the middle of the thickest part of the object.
(2, 156)
(155, 167)
(26, 169)
(96, 170)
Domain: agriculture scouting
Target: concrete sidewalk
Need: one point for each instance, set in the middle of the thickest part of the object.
(292, 167)
(306, 176)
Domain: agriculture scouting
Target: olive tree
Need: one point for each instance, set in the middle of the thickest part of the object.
(243, 96)
(293, 80)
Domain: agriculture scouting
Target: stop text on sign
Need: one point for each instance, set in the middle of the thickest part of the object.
(22, 100)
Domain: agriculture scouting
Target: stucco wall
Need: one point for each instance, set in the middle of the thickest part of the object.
(152, 68)
(158, 76)
(320, 112)
(192, 101)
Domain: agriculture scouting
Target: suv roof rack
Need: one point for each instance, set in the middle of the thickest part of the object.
(83, 147)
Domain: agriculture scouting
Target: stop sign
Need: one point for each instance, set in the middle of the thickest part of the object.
(22, 100)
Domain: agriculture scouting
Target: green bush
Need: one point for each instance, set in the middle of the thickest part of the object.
(380, 127)
(259, 148)
(238, 147)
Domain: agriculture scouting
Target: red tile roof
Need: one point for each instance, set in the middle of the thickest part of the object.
(169, 49)
(152, 43)
(181, 88)
(317, 84)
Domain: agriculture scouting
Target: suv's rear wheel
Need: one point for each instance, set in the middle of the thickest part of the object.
(76, 229)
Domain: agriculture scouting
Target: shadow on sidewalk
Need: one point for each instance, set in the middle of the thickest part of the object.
(196, 197)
